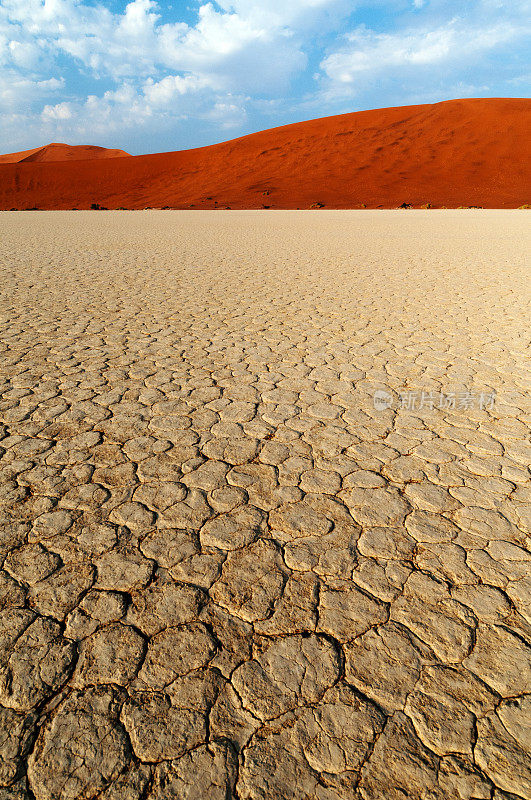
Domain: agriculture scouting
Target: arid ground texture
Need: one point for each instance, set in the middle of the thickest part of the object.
(472, 152)
(264, 497)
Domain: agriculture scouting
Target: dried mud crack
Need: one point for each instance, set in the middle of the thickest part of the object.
(264, 506)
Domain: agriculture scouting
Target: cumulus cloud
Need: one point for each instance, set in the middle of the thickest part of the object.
(58, 111)
(230, 41)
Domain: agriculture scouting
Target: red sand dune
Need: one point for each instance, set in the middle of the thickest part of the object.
(456, 153)
(61, 152)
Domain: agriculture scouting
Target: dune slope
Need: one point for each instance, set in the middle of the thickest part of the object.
(459, 152)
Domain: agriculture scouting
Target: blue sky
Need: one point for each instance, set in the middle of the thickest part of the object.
(150, 76)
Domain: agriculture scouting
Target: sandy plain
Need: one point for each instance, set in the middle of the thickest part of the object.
(230, 570)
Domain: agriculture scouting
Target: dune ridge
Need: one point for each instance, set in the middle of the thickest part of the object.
(470, 152)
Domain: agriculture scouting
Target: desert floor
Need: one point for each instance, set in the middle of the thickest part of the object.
(231, 571)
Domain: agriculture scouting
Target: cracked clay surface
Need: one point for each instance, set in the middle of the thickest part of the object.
(226, 574)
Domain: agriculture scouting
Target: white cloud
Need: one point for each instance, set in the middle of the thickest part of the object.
(228, 115)
(421, 62)
(172, 87)
(366, 51)
(56, 112)
(253, 36)
(232, 51)
(18, 93)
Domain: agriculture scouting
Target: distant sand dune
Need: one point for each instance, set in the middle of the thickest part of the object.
(456, 153)
(61, 152)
